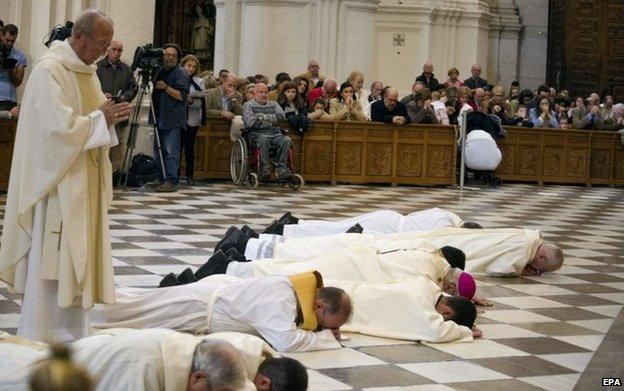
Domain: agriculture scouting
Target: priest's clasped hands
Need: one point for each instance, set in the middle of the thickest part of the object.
(116, 112)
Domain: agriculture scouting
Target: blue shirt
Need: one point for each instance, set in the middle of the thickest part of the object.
(170, 112)
(8, 92)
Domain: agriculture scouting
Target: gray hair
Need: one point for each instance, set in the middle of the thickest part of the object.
(222, 364)
(555, 255)
(85, 23)
(336, 300)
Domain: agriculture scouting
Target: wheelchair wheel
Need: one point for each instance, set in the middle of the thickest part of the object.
(238, 161)
(253, 180)
(297, 182)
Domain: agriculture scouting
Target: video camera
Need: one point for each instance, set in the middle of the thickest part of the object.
(6, 63)
(60, 33)
(148, 58)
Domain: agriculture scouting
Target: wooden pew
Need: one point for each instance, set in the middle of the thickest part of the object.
(7, 138)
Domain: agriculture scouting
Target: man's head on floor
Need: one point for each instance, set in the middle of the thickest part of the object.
(281, 374)
(217, 366)
(458, 309)
(456, 282)
(332, 307)
(548, 258)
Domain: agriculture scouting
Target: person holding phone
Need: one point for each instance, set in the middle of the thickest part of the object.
(12, 66)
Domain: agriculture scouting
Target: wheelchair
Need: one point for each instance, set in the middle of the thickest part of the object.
(245, 165)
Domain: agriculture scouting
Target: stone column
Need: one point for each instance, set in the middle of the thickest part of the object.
(509, 41)
(227, 35)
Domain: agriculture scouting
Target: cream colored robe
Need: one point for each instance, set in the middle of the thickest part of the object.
(397, 260)
(128, 359)
(56, 162)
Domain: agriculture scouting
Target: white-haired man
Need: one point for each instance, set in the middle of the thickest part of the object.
(55, 245)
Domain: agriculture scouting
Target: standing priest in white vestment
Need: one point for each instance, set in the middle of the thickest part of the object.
(55, 245)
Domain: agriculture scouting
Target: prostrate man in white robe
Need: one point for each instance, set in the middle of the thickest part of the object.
(292, 314)
(55, 244)
(496, 251)
(377, 222)
(159, 359)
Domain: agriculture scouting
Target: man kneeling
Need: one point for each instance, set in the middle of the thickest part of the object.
(262, 118)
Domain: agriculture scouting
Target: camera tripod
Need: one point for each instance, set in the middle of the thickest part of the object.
(145, 89)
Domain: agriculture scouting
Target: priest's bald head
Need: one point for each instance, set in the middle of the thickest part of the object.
(548, 258)
(217, 366)
(332, 307)
(91, 36)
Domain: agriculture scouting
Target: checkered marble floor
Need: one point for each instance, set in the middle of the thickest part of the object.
(552, 332)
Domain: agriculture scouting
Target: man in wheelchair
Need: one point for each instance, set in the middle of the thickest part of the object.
(261, 118)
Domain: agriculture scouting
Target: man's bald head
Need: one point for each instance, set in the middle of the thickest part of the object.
(330, 86)
(261, 93)
(229, 84)
(91, 36)
(313, 67)
(428, 67)
(114, 52)
(390, 98)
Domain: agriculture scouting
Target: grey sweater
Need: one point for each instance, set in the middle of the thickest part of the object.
(263, 118)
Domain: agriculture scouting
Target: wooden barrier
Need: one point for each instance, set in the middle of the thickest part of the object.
(561, 156)
(7, 138)
(351, 152)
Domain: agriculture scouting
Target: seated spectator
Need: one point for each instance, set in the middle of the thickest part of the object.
(427, 78)
(475, 81)
(514, 85)
(514, 93)
(525, 98)
(552, 93)
(302, 87)
(439, 108)
(225, 102)
(389, 109)
(294, 107)
(328, 91)
(453, 80)
(542, 92)
(452, 110)
(262, 118)
(280, 79)
(476, 100)
(417, 88)
(209, 80)
(496, 106)
(319, 111)
(249, 92)
(607, 116)
(9, 114)
(241, 85)
(564, 123)
(260, 78)
(595, 98)
(520, 118)
(451, 92)
(420, 110)
(356, 79)
(375, 92)
(586, 115)
(346, 107)
(465, 95)
(223, 74)
(543, 116)
(313, 76)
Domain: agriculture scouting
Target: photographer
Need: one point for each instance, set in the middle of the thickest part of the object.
(171, 89)
(12, 66)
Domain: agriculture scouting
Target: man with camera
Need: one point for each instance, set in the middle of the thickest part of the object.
(12, 66)
(117, 80)
(171, 88)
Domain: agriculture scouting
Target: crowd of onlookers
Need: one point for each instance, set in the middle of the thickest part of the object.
(431, 100)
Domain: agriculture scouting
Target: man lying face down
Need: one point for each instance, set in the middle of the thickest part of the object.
(134, 360)
(295, 313)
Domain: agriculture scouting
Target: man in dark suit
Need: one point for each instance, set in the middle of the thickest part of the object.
(389, 109)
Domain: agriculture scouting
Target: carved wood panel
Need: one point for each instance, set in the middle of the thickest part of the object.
(349, 158)
(410, 160)
(379, 159)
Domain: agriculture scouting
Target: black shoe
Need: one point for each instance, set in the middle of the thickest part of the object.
(454, 256)
(186, 277)
(154, 183)
(205, 269)
(169, 280)
(283, 174)
(250, 233)
(234, 238)
(356, 229)
(234, 255)
(275, 228)
(217, 264)
(288, 218)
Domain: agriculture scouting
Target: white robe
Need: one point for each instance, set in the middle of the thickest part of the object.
(402, 261)
(497, 251)
(129, 360)
(378, 222)
(265, 306)
(400, 310)
(62, 141)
